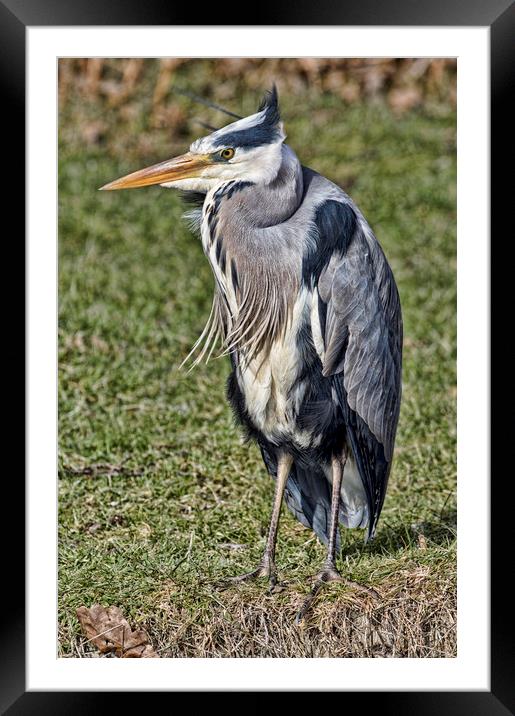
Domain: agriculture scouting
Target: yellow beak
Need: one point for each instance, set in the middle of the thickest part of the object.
(186, 166)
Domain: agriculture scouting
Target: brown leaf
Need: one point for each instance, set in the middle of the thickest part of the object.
(422, 542)
(110, 632)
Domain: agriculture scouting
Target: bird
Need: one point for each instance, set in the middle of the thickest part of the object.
(306, 307)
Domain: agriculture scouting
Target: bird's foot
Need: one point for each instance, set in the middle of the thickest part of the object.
(329, 574)
(266, 568)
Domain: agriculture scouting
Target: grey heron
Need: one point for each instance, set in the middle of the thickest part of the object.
(306, 306)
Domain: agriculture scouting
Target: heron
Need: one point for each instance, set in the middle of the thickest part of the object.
(306, 307)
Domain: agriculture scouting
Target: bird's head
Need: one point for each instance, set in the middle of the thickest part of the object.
(246, 150)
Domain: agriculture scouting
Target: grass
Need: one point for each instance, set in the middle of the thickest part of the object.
(159, 499)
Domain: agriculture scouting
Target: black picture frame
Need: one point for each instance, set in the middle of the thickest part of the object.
(499, 16)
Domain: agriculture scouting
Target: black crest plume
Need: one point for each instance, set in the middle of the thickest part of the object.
(270, 104)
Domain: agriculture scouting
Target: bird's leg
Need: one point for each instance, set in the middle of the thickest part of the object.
(329, 572)
(266, 567)
(329, 569)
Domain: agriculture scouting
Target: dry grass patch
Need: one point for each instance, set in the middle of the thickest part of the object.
(415, 617)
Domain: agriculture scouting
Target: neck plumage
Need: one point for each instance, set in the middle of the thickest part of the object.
(260, 206)
(256, 273)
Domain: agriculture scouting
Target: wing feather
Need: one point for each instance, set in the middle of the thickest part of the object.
(363, 352)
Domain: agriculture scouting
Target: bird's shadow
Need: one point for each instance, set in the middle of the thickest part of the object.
(438, 532)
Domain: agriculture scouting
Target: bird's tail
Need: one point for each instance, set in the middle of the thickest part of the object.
(308, 496)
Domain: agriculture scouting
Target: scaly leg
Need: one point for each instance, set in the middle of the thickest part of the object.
(329, 573)
(266, 567)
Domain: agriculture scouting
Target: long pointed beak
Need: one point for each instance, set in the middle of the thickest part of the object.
(184, 167)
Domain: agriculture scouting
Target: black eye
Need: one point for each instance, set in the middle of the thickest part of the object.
(227, 153)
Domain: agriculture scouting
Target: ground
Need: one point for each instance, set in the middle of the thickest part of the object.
(159, 499)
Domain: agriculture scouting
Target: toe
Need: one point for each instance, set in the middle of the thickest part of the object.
(330, 575)
(308, 602)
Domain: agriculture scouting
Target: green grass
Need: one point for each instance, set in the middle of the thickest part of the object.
(159, 498)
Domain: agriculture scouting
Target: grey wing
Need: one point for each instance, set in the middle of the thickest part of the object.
(361, 326)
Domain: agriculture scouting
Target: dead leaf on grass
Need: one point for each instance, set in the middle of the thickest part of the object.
(110, 632)
(422, 541)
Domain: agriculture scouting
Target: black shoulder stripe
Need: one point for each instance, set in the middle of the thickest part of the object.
(335, 224)
(322, 315)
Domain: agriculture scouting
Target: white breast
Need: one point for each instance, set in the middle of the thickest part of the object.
(273, 393)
